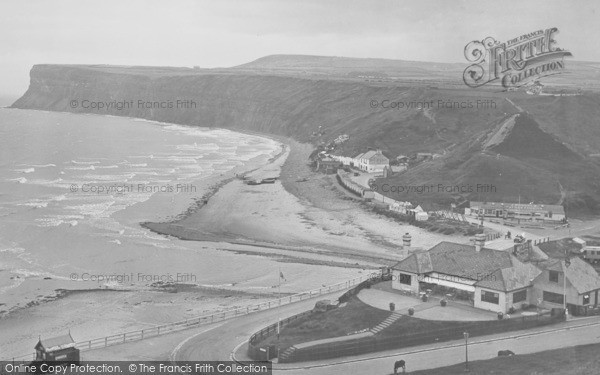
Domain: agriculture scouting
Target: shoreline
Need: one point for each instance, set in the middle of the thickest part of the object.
(212, 190)
(312, 199)
(216, 180)
(317, 238)
(49, 306)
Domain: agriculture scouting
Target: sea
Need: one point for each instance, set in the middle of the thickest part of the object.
(74, 189)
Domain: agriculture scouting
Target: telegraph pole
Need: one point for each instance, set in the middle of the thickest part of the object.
(567, 264)
(466, 334)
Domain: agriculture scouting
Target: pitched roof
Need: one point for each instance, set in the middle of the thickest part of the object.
(463, 260)
(582, 276)
(519, 275)
(457, 260)
(369, 154)
(492, 269)
(58, 342)
(418, 262)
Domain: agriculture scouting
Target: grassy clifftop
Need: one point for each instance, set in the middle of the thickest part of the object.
(399, 107)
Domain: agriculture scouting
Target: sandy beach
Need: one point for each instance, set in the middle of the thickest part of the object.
(304, 225)
(47, 301)
(304, 214)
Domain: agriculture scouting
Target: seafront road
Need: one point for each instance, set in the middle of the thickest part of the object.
(218, 341)
(221, 342)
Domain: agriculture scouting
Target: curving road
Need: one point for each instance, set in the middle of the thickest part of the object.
(219, 342)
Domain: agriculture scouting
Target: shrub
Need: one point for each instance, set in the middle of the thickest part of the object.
(511, 310)
(443, 302)
(411, 311)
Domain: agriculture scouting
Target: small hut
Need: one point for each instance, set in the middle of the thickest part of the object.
(60, 348)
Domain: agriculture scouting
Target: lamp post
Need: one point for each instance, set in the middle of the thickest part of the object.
(567, 264)
(266, 351)
(466, 334)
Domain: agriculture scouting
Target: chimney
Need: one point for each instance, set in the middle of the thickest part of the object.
(406, 240)
(479, 242)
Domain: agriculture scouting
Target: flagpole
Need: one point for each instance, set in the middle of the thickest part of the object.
(279, 298)
(279, 311)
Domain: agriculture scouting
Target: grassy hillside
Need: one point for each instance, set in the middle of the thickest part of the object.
(314, 99)
(579, 360)
(529, 164)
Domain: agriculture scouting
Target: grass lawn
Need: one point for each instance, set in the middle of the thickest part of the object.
(354, 316)
(578, 360)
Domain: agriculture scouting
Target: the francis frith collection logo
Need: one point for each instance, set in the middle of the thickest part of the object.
(516, 62)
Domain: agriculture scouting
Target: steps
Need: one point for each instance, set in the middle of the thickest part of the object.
(286, 354)
(386, 323)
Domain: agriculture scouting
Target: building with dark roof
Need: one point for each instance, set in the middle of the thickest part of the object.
(59, 348)
(520, 212)
(582, 284)
(496, 280)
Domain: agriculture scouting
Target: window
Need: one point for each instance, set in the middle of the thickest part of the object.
(553, 298)
(586, 299)
(405, 279)
(520, 296)
(553, 276)
(490, 297)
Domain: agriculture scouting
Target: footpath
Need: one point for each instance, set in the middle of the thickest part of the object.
(576, 331)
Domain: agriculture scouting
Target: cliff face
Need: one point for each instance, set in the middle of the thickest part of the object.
(282, 105)
(318, 107)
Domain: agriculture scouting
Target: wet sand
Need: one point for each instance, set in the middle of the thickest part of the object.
(302, 214)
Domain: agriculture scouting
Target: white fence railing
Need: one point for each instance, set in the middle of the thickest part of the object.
(159, 330)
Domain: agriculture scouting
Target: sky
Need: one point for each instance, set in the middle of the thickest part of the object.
(226, 33)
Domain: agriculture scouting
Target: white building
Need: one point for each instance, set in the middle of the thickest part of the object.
(498, 280)
(519, 212)
(371, 161)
